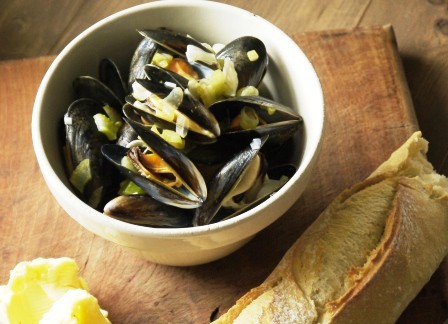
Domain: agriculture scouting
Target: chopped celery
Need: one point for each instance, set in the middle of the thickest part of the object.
(171, 137)
(127, 163)
(113, 114)
(81, 175)
(218, 85)
(128, 187)
(95, 198)
(106, 126)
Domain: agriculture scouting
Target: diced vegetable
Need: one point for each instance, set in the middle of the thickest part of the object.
(252, 55)
(106, 126)
(128, 188)
(81, 175)
(249, 118)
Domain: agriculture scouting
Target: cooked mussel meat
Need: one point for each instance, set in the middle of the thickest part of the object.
(162, 171)
(179, 45)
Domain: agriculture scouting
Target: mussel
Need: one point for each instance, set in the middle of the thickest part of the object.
(177, 44)
(237, 177)
(146, 211)
(143, 55)
(173, 109)
(250, 69)
(89, 172)
(162, 171)
(248, 116)
(110, 75)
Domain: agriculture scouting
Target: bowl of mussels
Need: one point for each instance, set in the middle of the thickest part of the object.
(179, 130)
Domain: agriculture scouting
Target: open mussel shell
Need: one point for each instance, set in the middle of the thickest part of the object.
(202, 125)
(84, 142)
(110, 75)
(280, 123)
(250, 72)
(175, 43)
(190, 195)
(90, 87)
(146, 211)
(225, 181)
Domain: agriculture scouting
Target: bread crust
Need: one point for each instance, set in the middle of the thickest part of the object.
(366, 256)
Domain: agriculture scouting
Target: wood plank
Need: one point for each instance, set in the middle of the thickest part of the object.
(424, 51)
(29, 28)
(368, 115)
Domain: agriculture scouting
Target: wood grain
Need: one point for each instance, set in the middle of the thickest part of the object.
(43, 27)
(369, 114)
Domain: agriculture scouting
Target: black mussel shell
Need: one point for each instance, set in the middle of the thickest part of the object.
(191, 108)
(90, 87)
(250, 73)
(158, 74)
(225, 181)
(84, 141)
(281, 123)
(146, 211)
(190, 196)
(110, 75)
(143, 55)
(176, 43)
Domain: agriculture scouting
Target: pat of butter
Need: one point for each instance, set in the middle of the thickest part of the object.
(48, 291)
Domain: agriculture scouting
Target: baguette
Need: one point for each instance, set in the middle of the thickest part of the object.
(366, 256)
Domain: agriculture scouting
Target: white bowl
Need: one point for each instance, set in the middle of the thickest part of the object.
(290, 79)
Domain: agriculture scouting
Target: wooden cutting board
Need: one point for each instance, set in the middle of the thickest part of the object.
(368, 115)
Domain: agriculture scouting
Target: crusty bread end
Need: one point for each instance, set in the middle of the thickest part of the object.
(366, 256)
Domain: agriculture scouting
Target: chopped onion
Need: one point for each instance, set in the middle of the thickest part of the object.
(182, 126)
(139, 92)
(231, 78)
(195, 54)
(175, 97)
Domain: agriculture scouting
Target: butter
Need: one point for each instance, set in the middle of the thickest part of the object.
(48, 291)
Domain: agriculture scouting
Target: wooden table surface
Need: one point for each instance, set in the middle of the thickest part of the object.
(36, 29)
